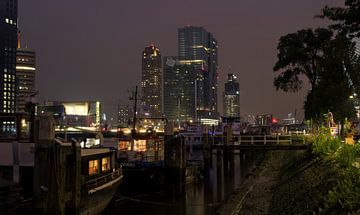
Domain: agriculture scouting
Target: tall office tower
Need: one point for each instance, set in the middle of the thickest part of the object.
(25, 75)
(179, 97)
(231, 97)
(198, 48)
(8, 44)
(123, 116)
(151, 82)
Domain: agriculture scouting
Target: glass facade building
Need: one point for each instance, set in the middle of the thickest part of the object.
(231, 97)
(8, 49)
(198, 49)
(179, 84)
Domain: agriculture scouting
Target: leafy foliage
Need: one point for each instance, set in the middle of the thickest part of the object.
(347, 19)
(299, 54)
(345, 195)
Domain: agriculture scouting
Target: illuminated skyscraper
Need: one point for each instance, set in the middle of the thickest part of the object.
(151, 83)
(231, 97)
(179, 97)
(123, 116)
(198, 49)
(25, 74)
(8, 44)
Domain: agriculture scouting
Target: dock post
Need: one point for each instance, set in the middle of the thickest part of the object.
(265, 139)
(57, 172)
(228, 137)
(42, 182)
(175, 162)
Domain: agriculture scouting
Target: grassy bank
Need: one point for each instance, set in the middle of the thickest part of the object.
(323, 180)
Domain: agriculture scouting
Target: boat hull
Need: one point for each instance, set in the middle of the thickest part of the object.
(95, 201)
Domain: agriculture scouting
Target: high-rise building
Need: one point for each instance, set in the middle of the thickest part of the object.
(25, 75)
(8, 49)
(124, 116)
(179, 97)
(231, 97)
(198, 48)
(151, 82)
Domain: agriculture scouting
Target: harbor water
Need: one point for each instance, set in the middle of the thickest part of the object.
(223, 174)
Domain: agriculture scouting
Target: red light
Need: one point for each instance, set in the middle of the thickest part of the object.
(274, 120)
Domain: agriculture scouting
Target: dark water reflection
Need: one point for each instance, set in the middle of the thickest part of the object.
(225, 172)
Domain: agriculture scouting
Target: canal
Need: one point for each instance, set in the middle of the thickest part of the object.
(224, 174)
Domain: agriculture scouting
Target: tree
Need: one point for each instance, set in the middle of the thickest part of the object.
(299, 55)
(336, 82)
(347, 19)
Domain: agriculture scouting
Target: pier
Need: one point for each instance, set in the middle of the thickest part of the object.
(267, 142)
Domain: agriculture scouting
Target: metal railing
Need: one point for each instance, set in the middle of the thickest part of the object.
(266, 140)
(102, 179)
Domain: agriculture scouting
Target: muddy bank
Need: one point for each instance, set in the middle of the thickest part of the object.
(286, 182)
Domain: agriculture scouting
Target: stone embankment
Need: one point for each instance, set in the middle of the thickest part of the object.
(285, 182)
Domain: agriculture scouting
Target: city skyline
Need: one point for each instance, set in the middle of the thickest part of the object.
(242, 46)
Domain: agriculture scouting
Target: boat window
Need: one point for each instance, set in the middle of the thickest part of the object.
(140, 145)
(93, 167)
(124, 145)
(105, 162)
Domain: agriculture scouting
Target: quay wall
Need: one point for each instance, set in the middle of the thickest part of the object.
(285, 182)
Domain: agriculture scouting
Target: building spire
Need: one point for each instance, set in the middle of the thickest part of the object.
(19, 43)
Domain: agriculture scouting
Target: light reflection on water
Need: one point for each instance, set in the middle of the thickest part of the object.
(225, 173)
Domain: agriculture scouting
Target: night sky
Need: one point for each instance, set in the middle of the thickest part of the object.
(92, 49)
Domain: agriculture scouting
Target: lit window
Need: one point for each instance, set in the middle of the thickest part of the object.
(93, 167)
(7, 20)
(105, 164)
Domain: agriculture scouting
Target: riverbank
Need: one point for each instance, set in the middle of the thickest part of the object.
(287, 182)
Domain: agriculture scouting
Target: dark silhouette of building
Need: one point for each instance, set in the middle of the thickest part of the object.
(231, 97)
(151, 82)
(198, 49)
(179, 97)
(8, 47)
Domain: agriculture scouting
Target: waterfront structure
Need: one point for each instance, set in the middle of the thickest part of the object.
(25, 75)
(265, 119)
(151, 82)
(8, 44)
(198, 49)
(179, 96)
(73, 113)
(123, 116)
(231, 97)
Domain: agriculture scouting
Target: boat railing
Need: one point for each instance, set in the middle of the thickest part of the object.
(152, 158)
(102, 179)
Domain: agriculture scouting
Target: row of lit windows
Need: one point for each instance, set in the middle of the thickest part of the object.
(8, 110)
(9, 77)
(94, 166)
(10, 21)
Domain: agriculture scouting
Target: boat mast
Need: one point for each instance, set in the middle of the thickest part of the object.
(133, 131)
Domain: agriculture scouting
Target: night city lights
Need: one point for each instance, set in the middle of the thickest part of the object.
(189, 108)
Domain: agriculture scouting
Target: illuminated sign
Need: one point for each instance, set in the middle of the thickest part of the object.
(76, 108)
